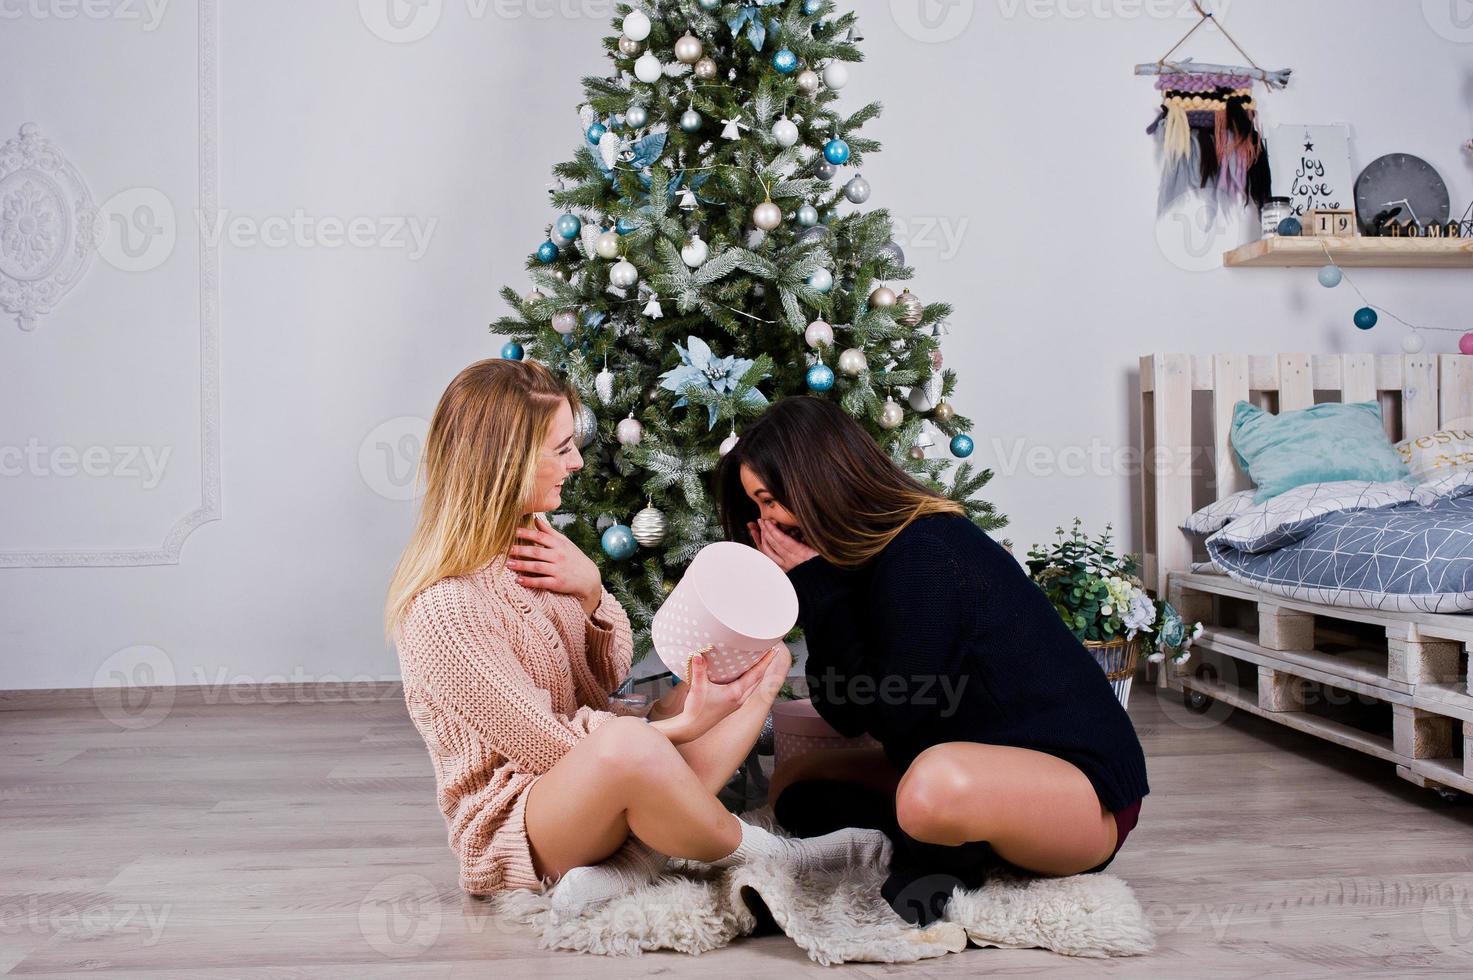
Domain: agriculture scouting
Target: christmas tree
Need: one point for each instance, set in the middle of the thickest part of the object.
(708, 261)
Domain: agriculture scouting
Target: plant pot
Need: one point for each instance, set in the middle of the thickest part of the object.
(1118, 658)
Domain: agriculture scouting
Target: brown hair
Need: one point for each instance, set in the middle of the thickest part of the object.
(849, 497)
(478, 467)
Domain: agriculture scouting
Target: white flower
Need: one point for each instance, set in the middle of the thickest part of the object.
(1107, 610)
(1156, 657)
(1140, 614)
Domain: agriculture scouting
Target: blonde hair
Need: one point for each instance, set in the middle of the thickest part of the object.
(478, 469)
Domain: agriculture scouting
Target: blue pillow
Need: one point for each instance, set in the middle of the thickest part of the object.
(1321, 444)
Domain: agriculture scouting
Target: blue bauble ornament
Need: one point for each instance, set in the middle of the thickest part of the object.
(808, 216)
(836, 151)
(962, 446)
(547, 253)
(821, 279)
(1291, 228)
(810, 7)
(626, 225)
(618, 542)
(691, 121)
(820, 378)
(1330, 276)
(512, 351)
(1366, 318)
(785, 61)
(596, 133)
(568, 226)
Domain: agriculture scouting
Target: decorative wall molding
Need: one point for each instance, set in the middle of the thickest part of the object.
(210, 508)
(48, 226)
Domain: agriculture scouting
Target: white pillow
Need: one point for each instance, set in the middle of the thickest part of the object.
(1219, 513)
(1293, 514)
(1433, 457)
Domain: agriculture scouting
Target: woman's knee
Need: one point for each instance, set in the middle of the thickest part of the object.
(629, 748)
(936, 795)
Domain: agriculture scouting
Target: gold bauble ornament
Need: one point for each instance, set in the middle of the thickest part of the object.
(767, 216)
(944, 412)
(688, 50)
(706, 69)
(808, 82)
(891, 415)
(882, 298)
(607, 245)
(852, 363)
(629, 47)
(912, 310)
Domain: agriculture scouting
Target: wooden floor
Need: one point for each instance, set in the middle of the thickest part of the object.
(302, 841)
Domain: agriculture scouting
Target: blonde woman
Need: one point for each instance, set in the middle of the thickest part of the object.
(509, 644)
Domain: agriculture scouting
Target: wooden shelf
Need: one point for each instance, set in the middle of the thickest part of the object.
(1354, 253)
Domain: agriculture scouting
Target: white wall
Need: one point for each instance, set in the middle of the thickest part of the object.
(1015, 124)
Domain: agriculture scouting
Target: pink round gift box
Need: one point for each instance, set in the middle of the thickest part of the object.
(798, 730)
(733, 598)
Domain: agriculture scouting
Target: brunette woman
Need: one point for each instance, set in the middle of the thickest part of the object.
(509, 644)
(1001, 738)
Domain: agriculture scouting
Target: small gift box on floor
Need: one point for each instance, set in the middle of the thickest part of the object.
(798, 730)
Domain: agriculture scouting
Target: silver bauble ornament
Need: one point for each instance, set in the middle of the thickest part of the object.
(603, 386)
(650, 527)
(607, 245)
(695, 253)
(706, 69)
(924, 397)
(917, 453)
(535, 296)
(944, 412)
(585, 427)
(688, 49)
(825, 170)
(637, 116)
(893, 252)
(818, 332)
(892, 415)
(909, 309)
(728, 444)
(629, 432)
(882, 298)
(852, 363)
(815, 234)
(691, 121)
(629, 47)
(857, 190)
(562, 274)
(767, 216)
(623, 275)
(785, 132)
(808, 81)
(565, 322)
(807, 216)
(648, 69)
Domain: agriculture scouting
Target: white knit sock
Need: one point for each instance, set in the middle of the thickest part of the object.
(631, 866)
(843, 848)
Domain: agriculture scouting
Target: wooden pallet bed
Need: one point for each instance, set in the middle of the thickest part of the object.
(1392, 685)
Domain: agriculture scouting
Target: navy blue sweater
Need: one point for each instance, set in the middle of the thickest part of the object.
(943, 638)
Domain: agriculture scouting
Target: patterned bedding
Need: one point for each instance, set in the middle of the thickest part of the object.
(1396, 546)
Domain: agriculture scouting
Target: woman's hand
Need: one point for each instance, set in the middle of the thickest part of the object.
(706, 703)
(778, 545)
(546, 559)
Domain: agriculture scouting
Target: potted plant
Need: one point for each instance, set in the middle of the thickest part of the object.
(1105, 604)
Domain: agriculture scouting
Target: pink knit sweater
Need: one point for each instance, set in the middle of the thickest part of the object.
(501, 681)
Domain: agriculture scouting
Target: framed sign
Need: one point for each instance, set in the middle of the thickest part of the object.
(1311, 167)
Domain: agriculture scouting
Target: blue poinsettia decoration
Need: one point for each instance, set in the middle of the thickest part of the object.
(646, 150)
(750, 17)
(701, 368)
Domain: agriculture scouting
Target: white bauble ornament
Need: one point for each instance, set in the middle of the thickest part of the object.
(624, 275)
(892, 415)
(603, 386)
(629, 432)
(924, 397)
(648, 68)
(835, 76)
(637, 25)
(688, 50)
(785, 131)
(695, 252)
(818, 333)
(852, 363)
(650, 527)
(728, 444)
(767, 216)
(565, 322)
(607, 245)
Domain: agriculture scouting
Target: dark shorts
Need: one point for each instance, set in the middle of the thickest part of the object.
(1125, 821)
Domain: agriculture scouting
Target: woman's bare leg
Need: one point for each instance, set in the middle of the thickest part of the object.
(624, 777)
(1037, 811)
(716, 755)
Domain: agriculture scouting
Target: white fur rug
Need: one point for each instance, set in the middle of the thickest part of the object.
(841, 918)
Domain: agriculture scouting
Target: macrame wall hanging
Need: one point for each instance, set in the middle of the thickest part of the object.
(1208, 129)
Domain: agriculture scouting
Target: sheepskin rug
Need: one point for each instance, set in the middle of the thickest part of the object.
(840, 917)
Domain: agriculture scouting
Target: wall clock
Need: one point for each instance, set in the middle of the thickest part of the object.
(1404, 181)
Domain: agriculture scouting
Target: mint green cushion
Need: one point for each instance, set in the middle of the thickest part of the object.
(1321, 444)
